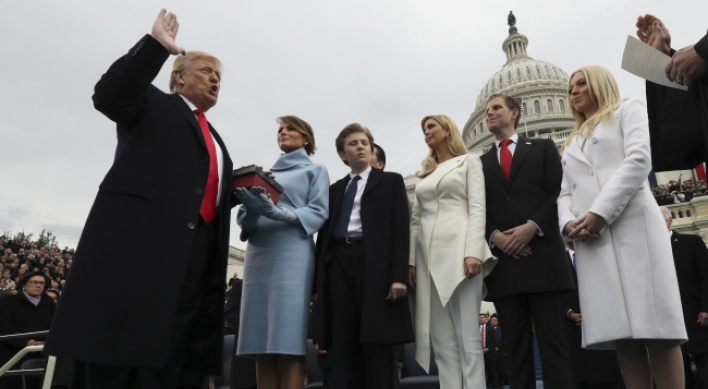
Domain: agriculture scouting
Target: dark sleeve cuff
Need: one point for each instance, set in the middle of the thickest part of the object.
(702, 48)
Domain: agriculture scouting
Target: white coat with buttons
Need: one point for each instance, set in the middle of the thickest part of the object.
(626, 278)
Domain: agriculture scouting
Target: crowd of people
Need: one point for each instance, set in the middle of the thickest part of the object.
(678, 191)
(489, 227)
(20, 257)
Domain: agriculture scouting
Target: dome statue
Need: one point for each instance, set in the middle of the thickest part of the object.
(542, 88)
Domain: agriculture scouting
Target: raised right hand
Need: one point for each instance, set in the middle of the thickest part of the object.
(652, 31)
(164, 30)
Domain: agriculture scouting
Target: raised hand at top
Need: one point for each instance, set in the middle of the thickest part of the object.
(652, 31)
(164, 30)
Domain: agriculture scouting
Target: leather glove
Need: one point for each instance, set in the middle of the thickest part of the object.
(257, 201)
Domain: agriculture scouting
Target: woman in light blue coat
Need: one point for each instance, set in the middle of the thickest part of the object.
(280, 262)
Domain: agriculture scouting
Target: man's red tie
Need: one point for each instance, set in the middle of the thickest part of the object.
(483, 333)
(208, 209)
(505, 157)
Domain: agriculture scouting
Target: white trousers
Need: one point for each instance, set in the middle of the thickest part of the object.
(454, 333)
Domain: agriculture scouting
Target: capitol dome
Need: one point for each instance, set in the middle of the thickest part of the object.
(541, 85)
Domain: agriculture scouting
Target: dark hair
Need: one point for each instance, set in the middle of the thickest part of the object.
(352, 129)
(303, 128)
(380, 154)
(25, 278)
(510, 103)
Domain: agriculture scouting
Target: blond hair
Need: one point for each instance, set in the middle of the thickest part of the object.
(604, 92)
(454, 143)
(183, 62)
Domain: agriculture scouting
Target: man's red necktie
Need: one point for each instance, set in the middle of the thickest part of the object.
(483, 334)
(505, 157)
(208, 208)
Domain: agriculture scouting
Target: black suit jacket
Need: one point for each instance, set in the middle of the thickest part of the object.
(492, 343)
(678, 122)
(691, 259)
(530, 193)
(119, 303)
(386, 228)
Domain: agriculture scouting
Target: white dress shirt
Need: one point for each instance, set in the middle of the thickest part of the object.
(512, 146)
(219, 153)
(354, 228)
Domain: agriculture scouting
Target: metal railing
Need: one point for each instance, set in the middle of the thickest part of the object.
(51, 360)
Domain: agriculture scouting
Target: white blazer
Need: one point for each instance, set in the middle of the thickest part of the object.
(447, 225)
(626, 278)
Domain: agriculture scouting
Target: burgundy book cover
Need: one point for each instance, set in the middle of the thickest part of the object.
(252, 175)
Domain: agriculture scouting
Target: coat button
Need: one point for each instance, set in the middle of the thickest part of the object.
(593, 140)
(205, 159)
(190, 225)
(592, 173)
(575, 213)
(199, 191)
(563, 161)
(573, 185)
(508, 198)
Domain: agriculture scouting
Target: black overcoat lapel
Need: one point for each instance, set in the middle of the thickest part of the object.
(183, 109)
(375, 176)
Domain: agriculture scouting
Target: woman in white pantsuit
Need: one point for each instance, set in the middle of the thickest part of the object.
(449, 257)
(626, 277)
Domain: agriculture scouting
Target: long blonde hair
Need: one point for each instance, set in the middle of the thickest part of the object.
(603, 91)
(454, 143)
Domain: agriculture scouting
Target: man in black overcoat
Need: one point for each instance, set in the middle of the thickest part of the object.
(362, 271)
(691, 259)
(159, 316)
(528, 284)
(592, 369)
(678, 120)
(30, 310)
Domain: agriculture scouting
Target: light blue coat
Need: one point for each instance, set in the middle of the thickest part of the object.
(280, 262)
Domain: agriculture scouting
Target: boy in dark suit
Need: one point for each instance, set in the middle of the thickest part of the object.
(362, 270)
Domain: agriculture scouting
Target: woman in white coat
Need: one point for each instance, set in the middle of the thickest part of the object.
(626, 277)
(449, 256)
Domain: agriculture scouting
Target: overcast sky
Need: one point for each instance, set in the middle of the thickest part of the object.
(384, 64)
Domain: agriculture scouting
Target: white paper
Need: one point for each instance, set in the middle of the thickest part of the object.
(647, 62)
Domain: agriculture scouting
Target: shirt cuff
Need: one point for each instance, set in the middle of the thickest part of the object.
(539, 232)
(567, 314)
(491, 245)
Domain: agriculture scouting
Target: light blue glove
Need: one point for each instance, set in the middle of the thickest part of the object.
(258, 202)
(248, 220)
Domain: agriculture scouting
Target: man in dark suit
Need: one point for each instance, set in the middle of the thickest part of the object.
(378, 158)
(362, 270)
(592, 369)
(691, 259)
(170, 182)
(522, 178)
(493, 356)
(233, 280)
(678, 119)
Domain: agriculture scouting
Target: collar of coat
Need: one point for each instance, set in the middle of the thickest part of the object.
(296, 158)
